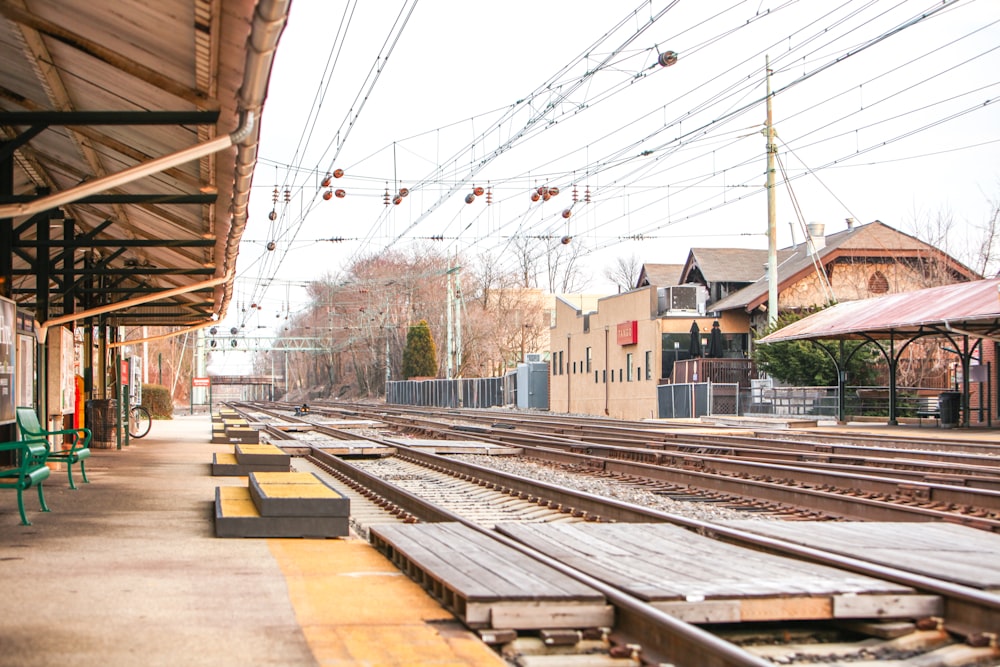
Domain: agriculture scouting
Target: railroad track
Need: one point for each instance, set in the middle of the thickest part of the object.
(814, 488)
(415, 487)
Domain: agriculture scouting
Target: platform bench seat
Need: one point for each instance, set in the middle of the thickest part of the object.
(30, 470)
(928, 406)
(79, 445)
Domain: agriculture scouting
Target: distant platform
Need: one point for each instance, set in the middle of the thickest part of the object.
(700, 580)
(958, 554)
(761, 422)
(457, 446)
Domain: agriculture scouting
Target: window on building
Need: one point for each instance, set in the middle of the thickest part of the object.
(590, 358)
(628, 365)
(596, 378)
(649, 364)
(878, 283)
(561, 367)
(619, 375)
(605, 375)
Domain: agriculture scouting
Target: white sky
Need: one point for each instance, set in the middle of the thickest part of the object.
(465, 79)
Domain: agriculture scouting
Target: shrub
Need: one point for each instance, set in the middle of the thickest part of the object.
(156, 399)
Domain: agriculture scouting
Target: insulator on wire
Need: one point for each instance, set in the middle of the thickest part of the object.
(288, 195)
(469, 198)
(341, 193)
(535, 196)
(566, 239)
(273, 215)
(586, 195)
(667, 58)
(328, 195)
(386, 198)
(567, 213)
(576, 198)
(397, 200)
(478, 190)
(553, 191)
(271, 245)
(338, 173)
(326, 181)
(489, 196)
(403, 192)
(274, 195)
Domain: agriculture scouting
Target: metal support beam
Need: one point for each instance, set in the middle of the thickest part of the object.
(64, 118)
(104, 198)
(6, 226)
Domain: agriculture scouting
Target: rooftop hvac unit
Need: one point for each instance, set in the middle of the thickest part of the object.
(533, 357)
(682, 299)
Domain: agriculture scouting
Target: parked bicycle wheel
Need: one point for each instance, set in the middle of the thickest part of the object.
(139, 421)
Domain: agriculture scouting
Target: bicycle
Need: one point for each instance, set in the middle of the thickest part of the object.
(139, 421)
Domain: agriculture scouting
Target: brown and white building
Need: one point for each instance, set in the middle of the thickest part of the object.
(609, 361)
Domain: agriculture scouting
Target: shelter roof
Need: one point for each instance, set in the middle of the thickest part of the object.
(90, 90)
(875, 239)
(971, 308)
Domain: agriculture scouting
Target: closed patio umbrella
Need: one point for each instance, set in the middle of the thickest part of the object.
(715, 342)
(694, 347)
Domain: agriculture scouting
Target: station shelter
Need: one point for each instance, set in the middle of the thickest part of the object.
(128, 143)
(966, 316)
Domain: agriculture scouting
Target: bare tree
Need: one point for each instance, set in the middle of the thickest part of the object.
(624, 272)
(562, 265)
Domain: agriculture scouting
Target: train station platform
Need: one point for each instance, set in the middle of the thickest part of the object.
(127, 570)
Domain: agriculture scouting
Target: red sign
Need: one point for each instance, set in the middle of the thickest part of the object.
(200, 382)
(628, 332)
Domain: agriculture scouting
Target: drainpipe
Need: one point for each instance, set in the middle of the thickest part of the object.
(569, 376)
(41, 329)
(607, 366)
(131, 174)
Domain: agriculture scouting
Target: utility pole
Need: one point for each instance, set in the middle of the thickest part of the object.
(772, 234)
(449, 357)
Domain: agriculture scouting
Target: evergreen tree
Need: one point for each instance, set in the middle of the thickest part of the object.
(420, 355)
(805, 364)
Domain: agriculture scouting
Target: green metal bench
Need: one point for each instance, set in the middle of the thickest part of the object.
(30, 471)
(78, 450)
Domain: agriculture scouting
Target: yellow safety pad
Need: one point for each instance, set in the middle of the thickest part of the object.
(236, 501)
(225, 458)
(285, 478)
(355, 608)
(317, 490)
(259, 449)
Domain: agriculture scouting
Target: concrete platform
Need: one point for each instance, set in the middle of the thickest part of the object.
(127, 571)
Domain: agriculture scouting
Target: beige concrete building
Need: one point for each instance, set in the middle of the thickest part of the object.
(609, 361)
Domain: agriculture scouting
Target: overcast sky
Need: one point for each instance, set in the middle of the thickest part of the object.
(876, 119)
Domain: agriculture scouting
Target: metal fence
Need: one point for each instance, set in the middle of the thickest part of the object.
(458, 392)
(690, 400)
(763, 399)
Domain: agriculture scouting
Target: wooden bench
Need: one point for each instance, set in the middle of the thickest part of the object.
(928, 406)
(79, 446)
(30, 471)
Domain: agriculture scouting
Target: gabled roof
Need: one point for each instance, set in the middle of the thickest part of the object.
(971, 308)
(875, 239)
(660, 275)
(727, 265)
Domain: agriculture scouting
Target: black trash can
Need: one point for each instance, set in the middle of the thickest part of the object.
(949, 405)
(100, 416)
